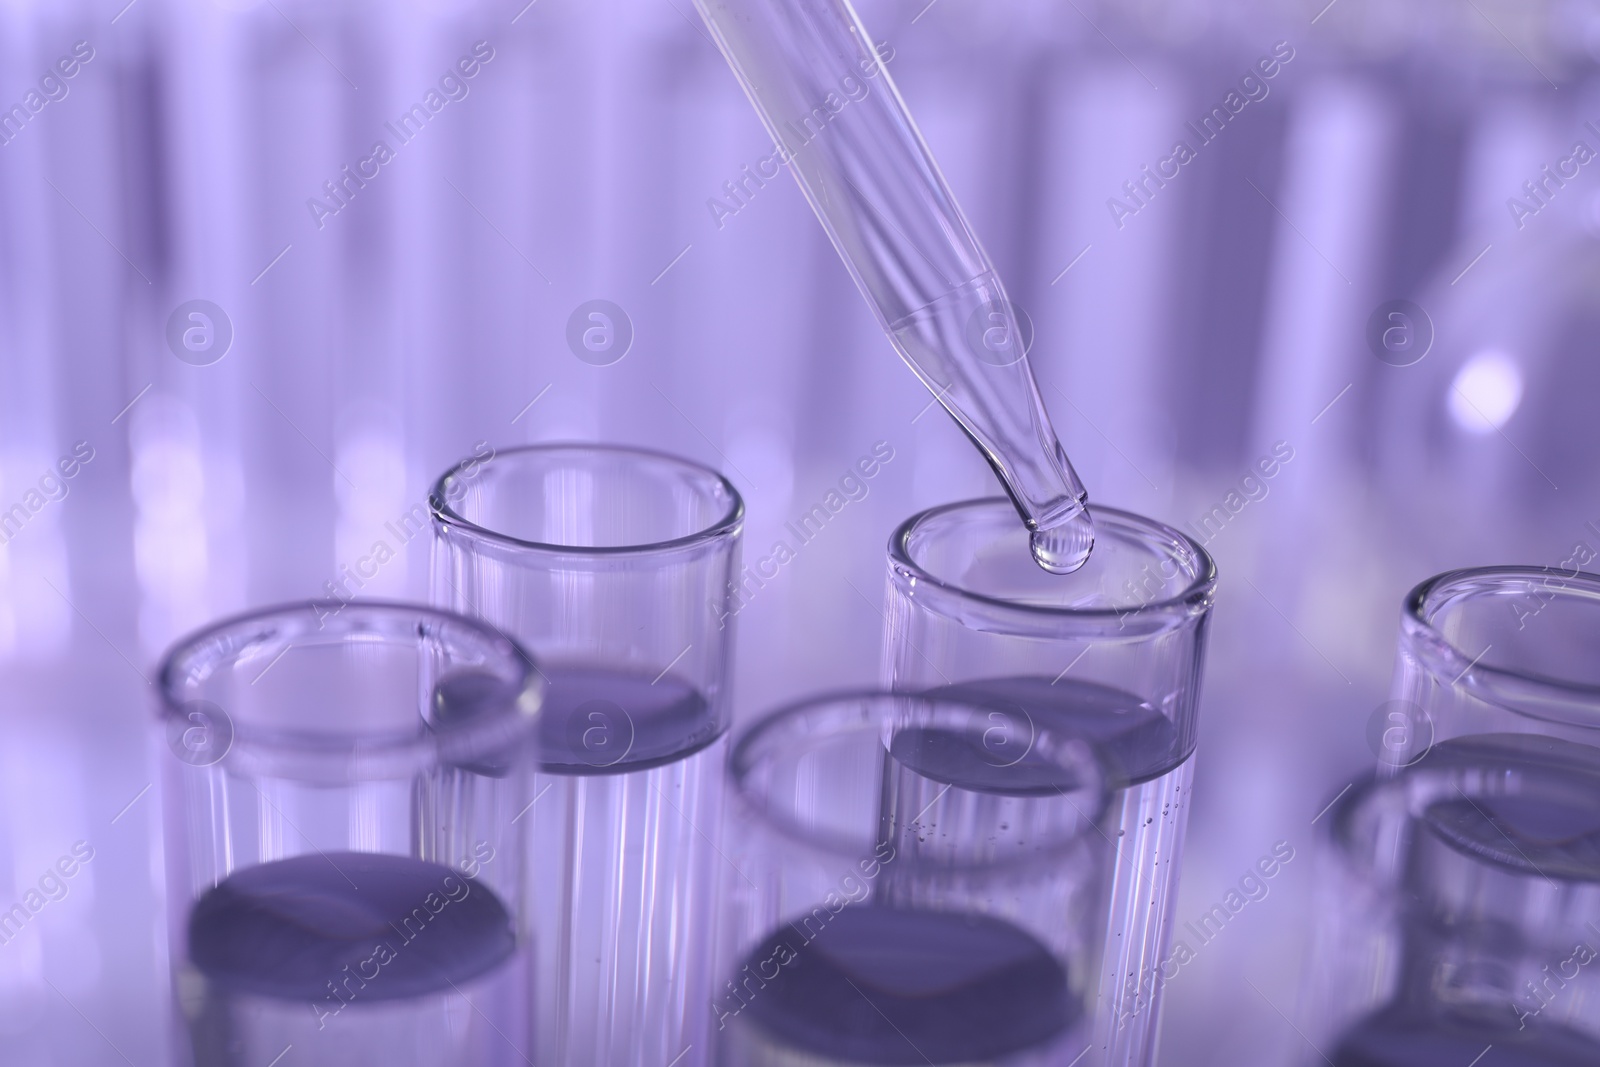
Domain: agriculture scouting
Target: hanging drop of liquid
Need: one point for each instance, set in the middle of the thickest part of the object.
(1064, 547)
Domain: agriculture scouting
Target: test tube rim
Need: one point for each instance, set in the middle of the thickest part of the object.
(727, 526)
(298, 754)
(1195, 599)
(1421, 607)
(739, 764)
(1414, 788)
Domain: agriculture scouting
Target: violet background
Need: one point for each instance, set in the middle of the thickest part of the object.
(1228, 314)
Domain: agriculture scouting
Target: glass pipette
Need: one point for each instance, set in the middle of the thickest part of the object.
(838, 120)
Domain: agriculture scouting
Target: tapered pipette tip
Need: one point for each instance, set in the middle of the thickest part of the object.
(1065, 546)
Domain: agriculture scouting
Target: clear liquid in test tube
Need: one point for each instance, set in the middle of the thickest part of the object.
(826, 98)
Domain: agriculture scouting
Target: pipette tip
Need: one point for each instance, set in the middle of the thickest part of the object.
(1064, 547)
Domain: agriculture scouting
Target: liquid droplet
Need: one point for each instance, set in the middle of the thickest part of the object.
(1064, 547)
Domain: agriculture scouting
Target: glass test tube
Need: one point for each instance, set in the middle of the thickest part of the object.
(343, 869)
(1112, 652)
(1494, 650)
(615, 565)
(909, 880)
(1458, 916)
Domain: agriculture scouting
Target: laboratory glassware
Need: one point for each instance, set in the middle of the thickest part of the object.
(615, 566)
(344, 875)
(836, 118)
(1113, 652)
(908, 880)
(1458, 916)
(1485, 410)
(1495, 650)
